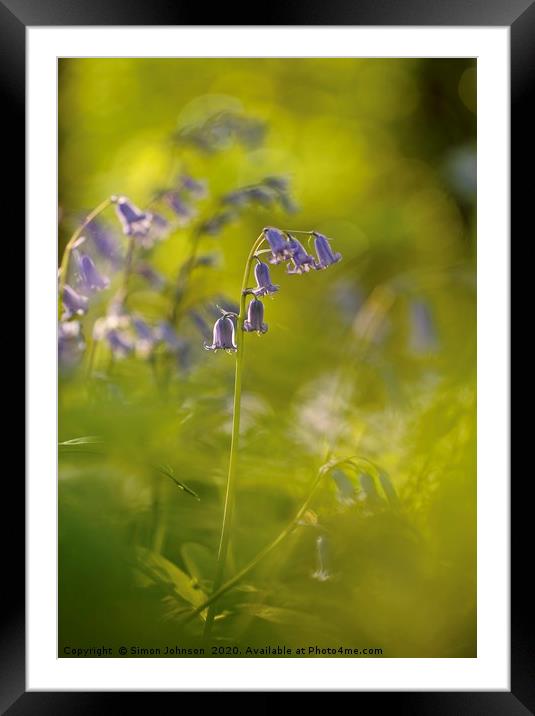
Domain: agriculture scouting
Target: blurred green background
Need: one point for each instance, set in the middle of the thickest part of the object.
(374, 357)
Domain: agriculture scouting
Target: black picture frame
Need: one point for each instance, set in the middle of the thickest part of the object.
(15, 17)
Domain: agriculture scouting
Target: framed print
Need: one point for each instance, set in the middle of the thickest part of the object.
(267, 273)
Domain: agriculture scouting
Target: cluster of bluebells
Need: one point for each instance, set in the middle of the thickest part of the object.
(181, 201)
(100, 255)
(128, 333)
(124, 333)
(283, 248)
(272, 192)
(367, 497)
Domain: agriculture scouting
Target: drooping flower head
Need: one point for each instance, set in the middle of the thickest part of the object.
(196, 187)
(145, 337)
(105, 243)
(389, 489)
(263, 280)
(71, 344)
(224, 335)
(120, 343)
(302, 262)
(280, 248)
(73, 302)
(255, 317)
(216, 224)
(326, 256)
(134, 221)
(160, 227)
(345, 488)
(90, 278)
(181, 208)
(368, 491)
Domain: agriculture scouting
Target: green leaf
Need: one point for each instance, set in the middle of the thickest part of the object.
(199, 561)
(85, 444)
(155, 570)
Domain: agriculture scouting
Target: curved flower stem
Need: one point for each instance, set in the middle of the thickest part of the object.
(218, 592)
(295, 231)
(64, 267)
(231, 478)
(387, 299)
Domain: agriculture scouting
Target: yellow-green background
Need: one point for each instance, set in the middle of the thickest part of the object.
(380, 154)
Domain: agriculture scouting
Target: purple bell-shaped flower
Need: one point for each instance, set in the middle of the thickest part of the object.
(302, 262)
(120, 343)
(73, 302)
(255, 317)
(91, 279)
(263, 280)
(224, 335)
(278, 244)
(326, 255)
(134, 221)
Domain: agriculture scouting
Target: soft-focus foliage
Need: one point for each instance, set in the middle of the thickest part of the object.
(374, 357)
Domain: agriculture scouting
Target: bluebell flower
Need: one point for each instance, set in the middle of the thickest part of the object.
(287, 204)
(322, 573)
(280, 248)
(209, 260)
(183, 210)
(235, 198)
(145, 337)
(195, 187)
(159, 225)
(71, 344)
(302, 262)
(261, 195)
(117, 318)
(224, 335)
(73, 302)
(326, 256)
(389, 489)
(218, 222)
(263, 280)
(345, 488)
(278, 183)
(120, 343)
(255, 317)
(134, 221)
(90, 277)
(105, 243)
(369, 490)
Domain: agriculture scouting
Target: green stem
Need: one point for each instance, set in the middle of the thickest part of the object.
(388, 299)
(295, 231)
(219, 591)
(231, 478)
(64, 267)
